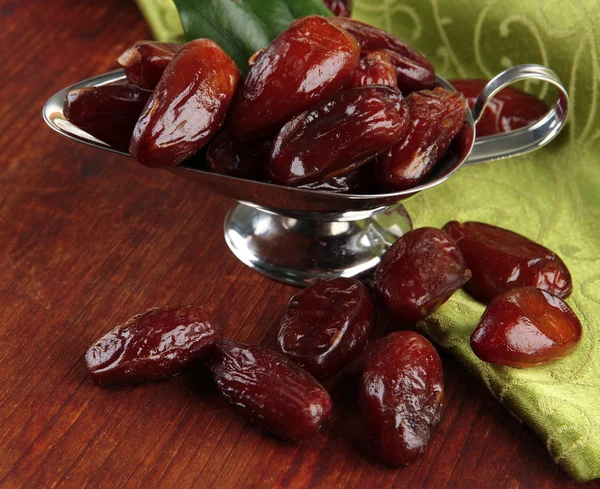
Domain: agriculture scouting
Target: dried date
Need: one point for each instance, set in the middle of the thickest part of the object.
(412, 74)
(436, 117)
(306, 64)
(109, 113)
(327, 325)
(501, 260)
(401, 396)
(374, 68)
(338, 135)
(420, 272)
(228, 156)
(359, 181)
(526, 327)
(413, 70)
(275, 393)
(157, 344)
(145, 62)
(188, 106)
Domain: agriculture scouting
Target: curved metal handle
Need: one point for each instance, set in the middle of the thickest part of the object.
(527, 138)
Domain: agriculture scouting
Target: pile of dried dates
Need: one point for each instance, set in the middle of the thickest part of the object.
(331, 104)
(337, 105)
(331, 326)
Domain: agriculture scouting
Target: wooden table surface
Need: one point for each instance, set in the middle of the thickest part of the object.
(90, 239)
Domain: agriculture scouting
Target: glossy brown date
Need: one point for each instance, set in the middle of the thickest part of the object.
(145, 62)
(327, 325)
(436, 117)
(306, 64)
(526, 327)
(419, 272)
(374, 68)
(109, 113)
(401, 396)
(228, 156)
(359, 181)
(275, 393)
(338, 135)
(340, 8)
(413, 70)
(509, 110)
(188, 106)
(501, 260)
(412, 75)
(157, 344)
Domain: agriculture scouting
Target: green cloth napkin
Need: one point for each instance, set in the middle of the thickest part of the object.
(163, 19)
(551, 196)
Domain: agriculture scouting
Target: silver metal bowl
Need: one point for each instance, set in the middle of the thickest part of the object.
(298, 236)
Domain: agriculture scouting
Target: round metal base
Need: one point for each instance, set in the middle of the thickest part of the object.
(300, 252)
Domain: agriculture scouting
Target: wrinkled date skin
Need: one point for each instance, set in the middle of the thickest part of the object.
(526, 327)
(188, 106)
(401, 396)
(338, 135)
(501, 260)
(327, 325)
(509, 110)
(436, 117)
(413, 70)
(306, 64)
(340, 8)
(374, 68)
(228, 156)
(275, 393)
(157, 344)
(109, 113)
(359, 181)
(145, 62)
(420, 272)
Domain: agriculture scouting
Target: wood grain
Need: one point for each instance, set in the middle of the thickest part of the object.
(90, 239)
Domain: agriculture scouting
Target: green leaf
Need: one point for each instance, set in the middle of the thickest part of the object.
(243, 27)
(302, 8)
(274, 15)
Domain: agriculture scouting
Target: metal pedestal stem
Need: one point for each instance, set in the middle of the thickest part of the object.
(299, 252)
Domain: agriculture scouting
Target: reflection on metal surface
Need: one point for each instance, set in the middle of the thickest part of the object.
(528, 138)
(298, 236)
(300, 252)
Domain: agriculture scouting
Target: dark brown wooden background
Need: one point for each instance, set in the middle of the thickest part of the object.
(89, 239)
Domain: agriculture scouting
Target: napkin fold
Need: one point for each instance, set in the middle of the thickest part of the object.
(551, 196)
